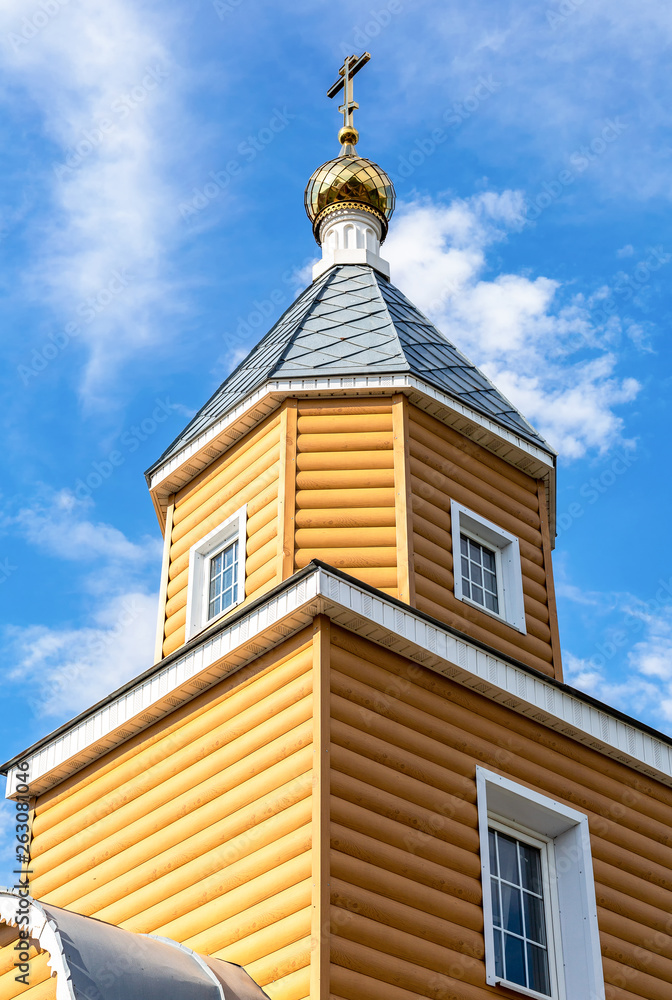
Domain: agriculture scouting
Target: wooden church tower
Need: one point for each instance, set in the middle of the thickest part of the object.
(354, 768)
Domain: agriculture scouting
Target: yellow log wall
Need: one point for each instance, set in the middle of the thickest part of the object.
(406, 917)
(248, 474)
(345, 489)
(444, 466)
(199, 829)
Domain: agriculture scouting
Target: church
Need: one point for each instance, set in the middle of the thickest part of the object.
(354, 770)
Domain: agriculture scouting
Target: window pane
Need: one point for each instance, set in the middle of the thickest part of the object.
(508, 858)
(512, 910)
(494, 870)
(491, 602)
(222, 582)
(534, 918)
(514, 959)
(479, 575)
(499, 956)
(537, 964)
(530, 865)
(496, 913)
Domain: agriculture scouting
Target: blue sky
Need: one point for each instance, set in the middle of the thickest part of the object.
(153, 159)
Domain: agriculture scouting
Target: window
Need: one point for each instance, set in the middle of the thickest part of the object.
(519, 919)
(486, 568)
(216, 573)
(539, 909)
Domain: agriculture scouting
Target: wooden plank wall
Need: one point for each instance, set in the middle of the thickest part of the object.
(249, 473)
(345, 495)
(405, 870)
(198, 829)
(444, 465)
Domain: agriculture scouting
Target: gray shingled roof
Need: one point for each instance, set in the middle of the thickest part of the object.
(353, 321)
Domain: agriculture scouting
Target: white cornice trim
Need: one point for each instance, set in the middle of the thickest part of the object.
(373, 616)
(198, 453)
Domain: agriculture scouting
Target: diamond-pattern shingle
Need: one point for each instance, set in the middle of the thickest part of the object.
(353, 321)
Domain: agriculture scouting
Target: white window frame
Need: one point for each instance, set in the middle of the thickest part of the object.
(507, 558)
(575, 958)
(200, 557)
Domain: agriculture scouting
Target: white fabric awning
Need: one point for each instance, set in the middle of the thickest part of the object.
(93, 960)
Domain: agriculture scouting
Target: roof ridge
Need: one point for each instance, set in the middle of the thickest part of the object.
(388, 286)
(350, 321)
(305, 294)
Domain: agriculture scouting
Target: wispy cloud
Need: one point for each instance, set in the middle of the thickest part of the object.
(103, 82)
(630, 664)
(56, 523)
(66, 668)
(539, 344)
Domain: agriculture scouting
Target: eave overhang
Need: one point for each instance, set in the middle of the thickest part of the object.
(320, 589)
(166, 479)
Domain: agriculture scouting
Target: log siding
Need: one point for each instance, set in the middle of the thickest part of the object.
(346, 508)
(253, 474)
(443, 466)
(199, 829)
(405, 891)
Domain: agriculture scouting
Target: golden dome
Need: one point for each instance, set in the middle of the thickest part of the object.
(349, 180)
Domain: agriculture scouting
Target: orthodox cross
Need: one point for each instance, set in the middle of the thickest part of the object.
(352, 65)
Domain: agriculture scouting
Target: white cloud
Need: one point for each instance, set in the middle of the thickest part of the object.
(630, 667)
(546, 351)
(67, 668)
(102, 80)
(55, 524)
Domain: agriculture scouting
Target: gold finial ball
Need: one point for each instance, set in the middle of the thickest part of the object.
(348, 136)
(351, 180)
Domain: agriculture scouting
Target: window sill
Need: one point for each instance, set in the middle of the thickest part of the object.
(213, 621)
(523, 990)
(504, 621)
